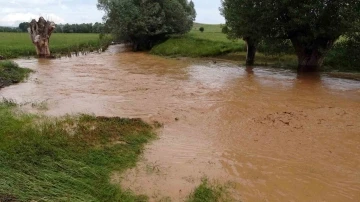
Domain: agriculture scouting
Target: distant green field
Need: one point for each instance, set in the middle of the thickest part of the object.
(211, 42)
(19, 44)
(211, 32)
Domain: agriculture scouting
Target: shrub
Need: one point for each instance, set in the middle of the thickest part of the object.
(345, 54)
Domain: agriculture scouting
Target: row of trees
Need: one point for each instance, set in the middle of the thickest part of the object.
(311, 27)
(143, 23)
(69, 28)
(80, 28)
(9, 29)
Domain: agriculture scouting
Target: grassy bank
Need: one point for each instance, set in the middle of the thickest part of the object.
(11, 73)
(189, 46)
(66, 159)
(211, 42)
(14, 45)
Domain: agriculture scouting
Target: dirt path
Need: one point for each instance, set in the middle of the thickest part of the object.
(271, 134)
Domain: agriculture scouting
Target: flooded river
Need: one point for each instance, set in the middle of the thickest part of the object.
(269, 134)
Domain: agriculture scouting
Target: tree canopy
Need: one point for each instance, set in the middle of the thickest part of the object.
(24, 26)
(144, 22)
(312, 26)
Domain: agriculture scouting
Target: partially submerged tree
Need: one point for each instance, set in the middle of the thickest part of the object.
(23, 26)
(145, 22)
(312, 26)
(245, 19)
(40, 33)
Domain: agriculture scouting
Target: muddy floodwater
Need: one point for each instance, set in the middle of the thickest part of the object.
(267, 134)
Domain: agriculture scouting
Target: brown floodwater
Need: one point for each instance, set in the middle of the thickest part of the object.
(267, 134)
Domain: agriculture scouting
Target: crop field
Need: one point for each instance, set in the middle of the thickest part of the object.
(14, 45)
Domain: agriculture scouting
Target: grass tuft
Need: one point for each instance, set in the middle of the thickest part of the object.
(11, 73)
(209, 192)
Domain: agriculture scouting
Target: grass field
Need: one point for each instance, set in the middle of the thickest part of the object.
(211, 42)
(212, 33)
(68, 158)
(14, 45)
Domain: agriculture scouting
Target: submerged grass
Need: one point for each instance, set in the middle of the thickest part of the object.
(66, 159)
(14, 45)
(210, 192)
(11, 73)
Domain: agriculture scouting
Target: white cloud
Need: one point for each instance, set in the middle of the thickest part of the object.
(14, 19)
(12, 12)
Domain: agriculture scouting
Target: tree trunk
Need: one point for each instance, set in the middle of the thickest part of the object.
(311, 59)
(251, 51)
(40, 33)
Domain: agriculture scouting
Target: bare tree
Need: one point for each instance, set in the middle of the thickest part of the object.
(40, 33)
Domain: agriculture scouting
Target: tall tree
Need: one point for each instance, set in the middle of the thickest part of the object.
(313, 26)
(243, 19)
(144, 22)
(23, 26)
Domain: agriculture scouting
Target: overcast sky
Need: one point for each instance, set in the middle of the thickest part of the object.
(12, 12)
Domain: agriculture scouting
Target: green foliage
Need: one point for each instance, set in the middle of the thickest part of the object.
(23, 26)
(312, 26)
(144, 23)
(11, 73)
(245, 19)
(14, 45)
(201, 29)
(225, 29)
(9, 29)
(345, 55)
(80, 28)
(275, 47)
(67, 159)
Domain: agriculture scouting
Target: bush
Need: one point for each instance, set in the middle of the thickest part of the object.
(201, 29)
(344, 55)
(11, 73)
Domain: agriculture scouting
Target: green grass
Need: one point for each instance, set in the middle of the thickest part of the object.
(196, 44)
(280, 61)
(207, 192)
(212, 33)
(66, 159)
(207, 27)
(14, 45)
(11, 73)
(189, 46)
